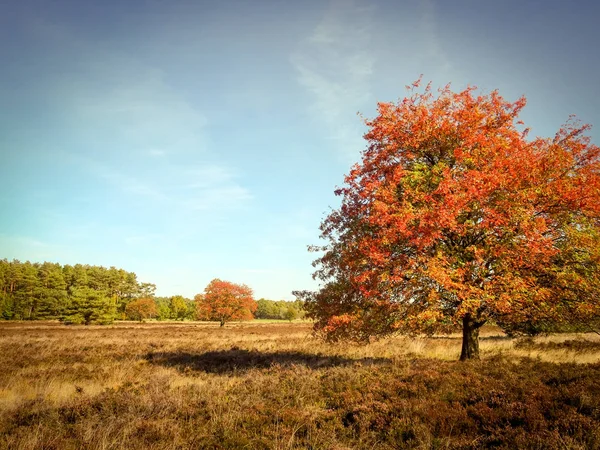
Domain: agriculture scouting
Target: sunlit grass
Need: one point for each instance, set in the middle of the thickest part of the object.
(274, 385)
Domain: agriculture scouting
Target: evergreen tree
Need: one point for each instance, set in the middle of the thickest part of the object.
(89, 306)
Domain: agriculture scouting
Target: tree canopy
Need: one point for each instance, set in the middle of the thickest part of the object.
(76, 294)
(279, 309)
(454, 217)
(142, 308)
(87, 294)
(224, 301)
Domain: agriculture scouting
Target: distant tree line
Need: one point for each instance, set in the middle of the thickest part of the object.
(279, 309)
(75, 294)
(85, 294)
(175, 307)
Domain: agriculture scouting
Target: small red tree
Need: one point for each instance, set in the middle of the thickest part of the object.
(454, 217)
(143, 308)
(224, 301)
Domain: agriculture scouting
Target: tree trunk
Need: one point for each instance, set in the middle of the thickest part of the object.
(222, 322)
(470, 340)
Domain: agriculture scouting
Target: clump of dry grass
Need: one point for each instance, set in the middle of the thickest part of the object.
(194, 385)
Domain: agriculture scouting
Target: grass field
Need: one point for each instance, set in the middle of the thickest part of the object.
(274, 386)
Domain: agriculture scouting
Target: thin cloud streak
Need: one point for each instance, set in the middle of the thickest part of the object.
(335, 65)
(142, 136)
(203, 188)
(139, 111)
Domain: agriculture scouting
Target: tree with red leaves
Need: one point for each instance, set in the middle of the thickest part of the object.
(455, 218)
(224, 301)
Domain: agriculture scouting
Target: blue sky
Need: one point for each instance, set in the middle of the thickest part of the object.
(191, 140)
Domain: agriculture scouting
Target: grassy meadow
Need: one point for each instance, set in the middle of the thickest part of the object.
(273, 386)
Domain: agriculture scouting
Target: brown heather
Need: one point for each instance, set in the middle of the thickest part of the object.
(273, 386)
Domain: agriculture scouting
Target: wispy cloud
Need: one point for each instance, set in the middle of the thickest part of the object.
(126, 183)
(136, 132)
(200, 188)
(212, 187)
(217, 197)
(335, 64)
(131, 106)
(208, 175)
(157, 152)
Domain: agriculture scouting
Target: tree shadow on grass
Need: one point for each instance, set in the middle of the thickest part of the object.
(240, 360)
(459, 338)
(576, 345)
(442, 338)
(500, 337)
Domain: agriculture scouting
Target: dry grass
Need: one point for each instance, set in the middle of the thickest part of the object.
(268, 385)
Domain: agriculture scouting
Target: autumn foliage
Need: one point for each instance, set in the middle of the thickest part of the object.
(454, 217)
(224, 301)
(143, 308)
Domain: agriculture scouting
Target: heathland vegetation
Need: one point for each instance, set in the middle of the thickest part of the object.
(190, 385)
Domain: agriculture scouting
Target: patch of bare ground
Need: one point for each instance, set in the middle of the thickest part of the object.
(274, 386)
